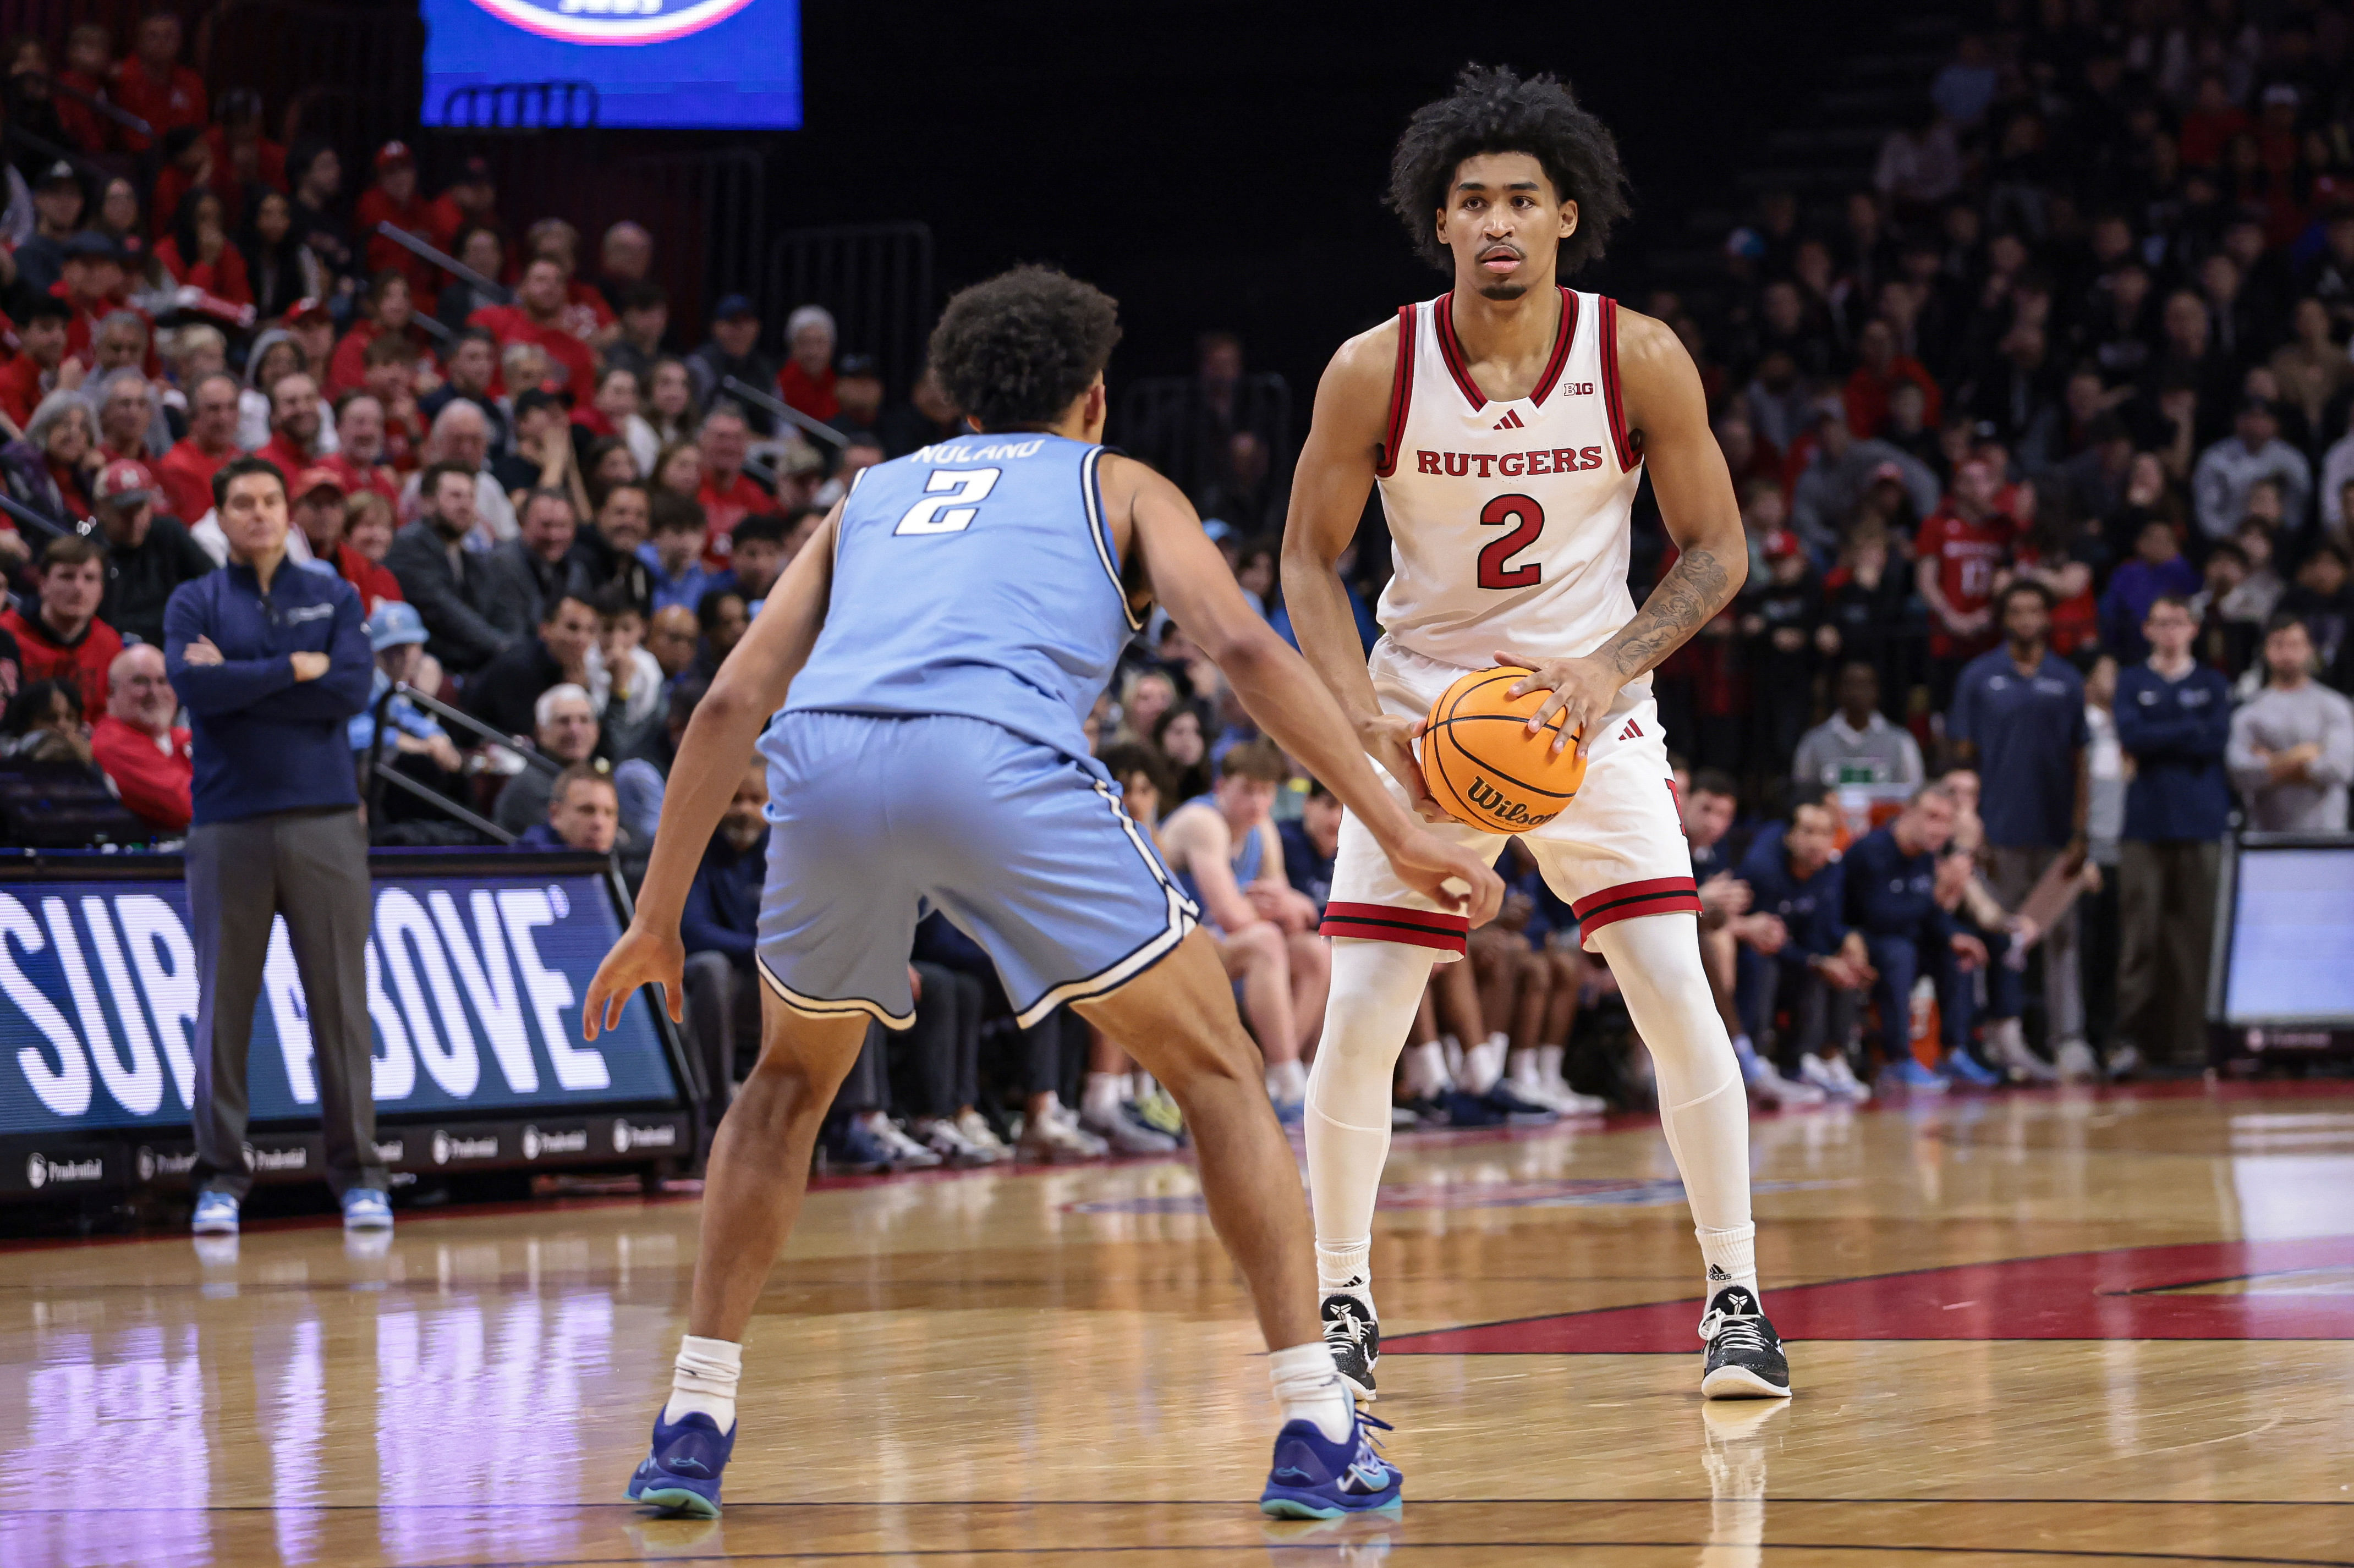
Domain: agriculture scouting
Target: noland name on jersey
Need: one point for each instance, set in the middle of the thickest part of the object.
(966, 451)
(1508, 465)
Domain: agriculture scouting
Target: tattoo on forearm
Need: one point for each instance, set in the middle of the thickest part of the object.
(1694, 590)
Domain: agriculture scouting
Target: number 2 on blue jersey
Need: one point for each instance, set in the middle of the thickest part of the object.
(949, 502)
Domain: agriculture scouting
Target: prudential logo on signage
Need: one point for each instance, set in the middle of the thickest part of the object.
(613, 21)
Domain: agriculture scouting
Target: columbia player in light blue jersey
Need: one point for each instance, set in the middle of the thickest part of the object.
(927, 660)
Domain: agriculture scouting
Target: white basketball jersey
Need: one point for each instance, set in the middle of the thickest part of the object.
(1508, 521)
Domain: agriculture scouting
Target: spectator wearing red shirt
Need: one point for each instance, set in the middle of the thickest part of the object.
(395, 199)
(32, 374)
(90, 66)
(186, 472)
(294, 425)
(153, 84)
(62, 639)
(135, 743)
(91, 287)
(538, 317)
(1879, 369)
(728, 494)
(359, 463)
(806, 382)
(586, 316)
(392, 309)
(318, 512)
(243, 158)
(1959, 553)
(2212, 123)
(197, 253)
(188, 166)
(471, 198)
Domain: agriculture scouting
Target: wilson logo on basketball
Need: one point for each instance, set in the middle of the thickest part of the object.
(1503, 807)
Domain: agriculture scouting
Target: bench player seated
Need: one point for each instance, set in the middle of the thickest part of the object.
(1229, 859)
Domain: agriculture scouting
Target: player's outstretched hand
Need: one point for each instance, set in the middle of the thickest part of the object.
(1389, 740)
(642, 957)
(1583, 691)
(1428, 863)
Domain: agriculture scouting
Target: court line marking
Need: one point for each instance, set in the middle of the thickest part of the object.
(1325, 1547)
(1224, 1503)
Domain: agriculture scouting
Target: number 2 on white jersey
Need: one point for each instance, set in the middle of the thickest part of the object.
(948, 504)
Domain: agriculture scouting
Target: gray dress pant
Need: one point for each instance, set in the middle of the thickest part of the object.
(2016, 869)
(312, 867)
(2166, 902)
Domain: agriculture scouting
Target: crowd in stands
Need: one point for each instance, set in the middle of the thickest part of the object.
(2043, 436)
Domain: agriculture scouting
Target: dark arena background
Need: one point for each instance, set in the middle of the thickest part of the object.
(2013, 779)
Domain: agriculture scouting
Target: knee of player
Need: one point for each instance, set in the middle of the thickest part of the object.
(1309, 953)
(1261, 942)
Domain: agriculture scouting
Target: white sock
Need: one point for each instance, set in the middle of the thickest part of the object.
(1346, 1266)
(1425, 1066)
(1103, 1096)
(1483, 1064)
(1453, 1048)
(1376, 987)
(1702, 1110)
(1307, 1387)
(1287, 1083)
(1524, 1068)
(1141, 1086)
(1549, 1066)
(1731, 1256)
(704, 1379)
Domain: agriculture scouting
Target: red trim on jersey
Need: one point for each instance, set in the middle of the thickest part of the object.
(1401, 394)
(1621, 438)
(1451, 351)
(1560, 347)
(1396, 922)
(1659, 895)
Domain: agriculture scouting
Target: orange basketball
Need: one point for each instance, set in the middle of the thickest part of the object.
(1484, 765)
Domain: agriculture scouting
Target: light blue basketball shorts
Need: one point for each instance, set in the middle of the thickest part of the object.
(878, 820)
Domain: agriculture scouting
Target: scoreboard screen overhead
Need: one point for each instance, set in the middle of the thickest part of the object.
(709, 64)
(475, 985)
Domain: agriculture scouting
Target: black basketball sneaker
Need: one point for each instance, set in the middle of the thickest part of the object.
(1745, 1355)
(1354, 1336)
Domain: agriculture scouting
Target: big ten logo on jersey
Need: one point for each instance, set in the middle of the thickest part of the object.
(1509, 465)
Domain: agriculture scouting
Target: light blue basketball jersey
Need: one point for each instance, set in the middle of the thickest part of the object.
(975, 578)
(1250, 854)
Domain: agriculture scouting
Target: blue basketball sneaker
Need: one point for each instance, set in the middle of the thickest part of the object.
(1315, 1477)
(1961, 1066)
(681, 1473)
(1908, 1073)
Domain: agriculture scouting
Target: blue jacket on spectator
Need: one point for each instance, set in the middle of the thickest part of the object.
(2028, 730)
(262, 740)
(1887, 892)
(723, 906)
(1310, 873)
(686, 589)
(1811, 909)
(2176, 732)
(2133, 588)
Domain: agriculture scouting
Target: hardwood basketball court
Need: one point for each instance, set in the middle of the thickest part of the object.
(2035, 1329)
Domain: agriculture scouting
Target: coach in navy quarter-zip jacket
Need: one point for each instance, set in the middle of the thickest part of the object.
(272, 664)
(2174, 718)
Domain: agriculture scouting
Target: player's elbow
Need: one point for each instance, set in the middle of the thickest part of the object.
(1246, 652)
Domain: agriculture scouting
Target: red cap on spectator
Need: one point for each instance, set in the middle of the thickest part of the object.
(312, 480)
(125, 479)
(1781, 543)
(391, 153)
(305, 308)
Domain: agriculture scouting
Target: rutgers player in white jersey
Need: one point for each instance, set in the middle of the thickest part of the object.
(1508, 423)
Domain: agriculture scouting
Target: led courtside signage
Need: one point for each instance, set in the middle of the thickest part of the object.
(474, 987)
(724, 64)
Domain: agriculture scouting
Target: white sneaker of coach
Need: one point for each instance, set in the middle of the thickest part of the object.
(905, 1153)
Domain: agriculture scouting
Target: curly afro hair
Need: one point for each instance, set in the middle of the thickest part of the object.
(1016, 349)
(1494, 111)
